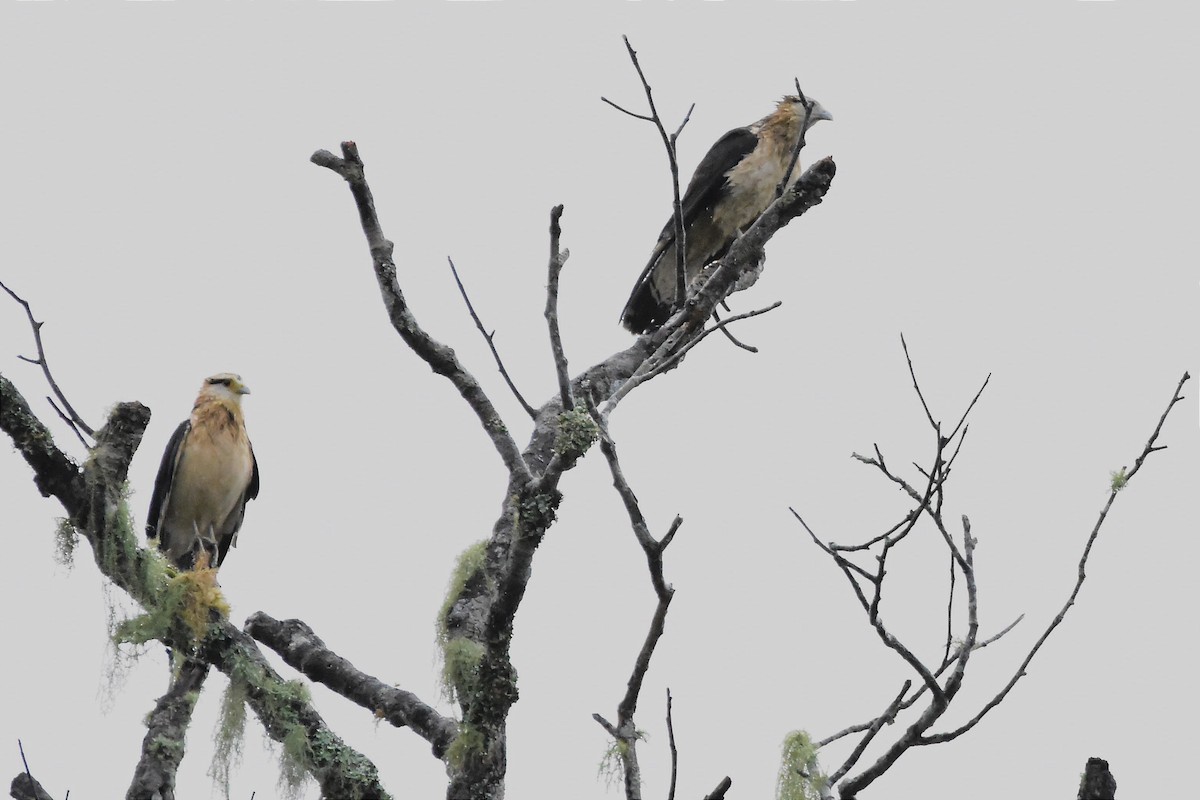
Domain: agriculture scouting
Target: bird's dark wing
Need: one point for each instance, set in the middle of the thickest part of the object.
(703, 191)
(708, 181)
(166, 476)
(230, 540)
(252, 489)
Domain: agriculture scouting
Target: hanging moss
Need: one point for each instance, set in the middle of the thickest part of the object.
(280, 701)
(800, 775)
(65, 539)
(295, 756)
(229, 735)
(461, 658)
(468, 742)
(120, 545)
(470, 561)
(612, 764)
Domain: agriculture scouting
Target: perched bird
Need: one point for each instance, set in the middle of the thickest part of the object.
(208, 472)
(732, 186)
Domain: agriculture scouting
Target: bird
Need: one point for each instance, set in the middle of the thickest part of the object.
(208, 473)
(733, 184)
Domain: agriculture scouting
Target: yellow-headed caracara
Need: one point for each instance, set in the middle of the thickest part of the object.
(208, 472)
(732, 186)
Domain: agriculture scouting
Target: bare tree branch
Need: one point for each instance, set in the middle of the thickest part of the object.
(25, 786)
(557, 259)
(625, 732)
(943, 688)
(719, 792)
(722, 325)
(489, 338)
(736, 342)
(674, 751)
(1081, 575)
(73, 419)
(304, 651)
(438, 356)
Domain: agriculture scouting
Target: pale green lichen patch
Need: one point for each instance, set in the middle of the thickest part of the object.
(1118, 479)
(328, 751)
(577, 431)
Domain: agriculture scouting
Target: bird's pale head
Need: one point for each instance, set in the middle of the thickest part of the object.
(224, 386)
(798, 108)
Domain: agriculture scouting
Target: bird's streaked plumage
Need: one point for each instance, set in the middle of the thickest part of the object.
(732, 186)
(208, 472)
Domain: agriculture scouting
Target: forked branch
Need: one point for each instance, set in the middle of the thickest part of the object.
(438, 356)
(944, 682)
(67, 411)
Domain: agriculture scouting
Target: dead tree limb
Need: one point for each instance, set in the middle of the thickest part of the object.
(166, 732)
(305, 652)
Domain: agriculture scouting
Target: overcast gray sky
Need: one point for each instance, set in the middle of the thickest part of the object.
(1014, 193)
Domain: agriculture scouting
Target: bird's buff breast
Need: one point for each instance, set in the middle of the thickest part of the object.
(752, 188)
(215, 473)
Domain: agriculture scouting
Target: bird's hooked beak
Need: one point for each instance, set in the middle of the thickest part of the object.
(818, 112)
(243, 389)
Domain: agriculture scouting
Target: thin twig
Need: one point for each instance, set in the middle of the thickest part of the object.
(913, 373)
(489, 337)
(674, 752)
(678, 356)
(75, 420)
(1081, 575)
(872, 728)
(733, 339)
(669, 143)
(949, 616)
(808, 108)
(557, 260)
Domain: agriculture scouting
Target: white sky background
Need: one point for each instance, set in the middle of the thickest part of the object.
(1014, 194)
